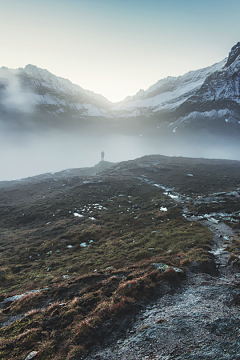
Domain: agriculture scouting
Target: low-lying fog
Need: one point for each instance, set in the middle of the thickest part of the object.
(28, 154)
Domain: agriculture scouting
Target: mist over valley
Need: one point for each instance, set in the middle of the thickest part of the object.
(48, 124)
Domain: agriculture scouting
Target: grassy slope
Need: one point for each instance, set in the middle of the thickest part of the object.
(129, 233)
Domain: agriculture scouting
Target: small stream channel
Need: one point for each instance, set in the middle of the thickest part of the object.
(200, 320)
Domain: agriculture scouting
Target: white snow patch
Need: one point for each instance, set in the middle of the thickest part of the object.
(171, 195)
(92, 110)
(84, 245)
(78, 215)
(215, 221)
(206, 114)
(183, 87)
(17, 297)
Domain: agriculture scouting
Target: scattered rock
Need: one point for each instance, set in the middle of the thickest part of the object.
(84, 245)
(164, 267)
(66, 277)
(31, 355)
(224, 326)
(17, 297)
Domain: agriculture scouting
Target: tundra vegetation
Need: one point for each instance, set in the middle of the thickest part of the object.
(89, 245)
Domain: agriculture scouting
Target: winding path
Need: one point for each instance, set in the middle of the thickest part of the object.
(199, 321)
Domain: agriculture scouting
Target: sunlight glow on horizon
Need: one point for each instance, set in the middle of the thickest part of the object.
(116, 48)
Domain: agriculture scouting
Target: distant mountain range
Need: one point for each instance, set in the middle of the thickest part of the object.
(205, 100)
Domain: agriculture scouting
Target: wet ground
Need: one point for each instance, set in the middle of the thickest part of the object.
(200, 320)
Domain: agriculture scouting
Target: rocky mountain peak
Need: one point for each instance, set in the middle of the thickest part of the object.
(235, 51)
(140, 93)
(31, 67)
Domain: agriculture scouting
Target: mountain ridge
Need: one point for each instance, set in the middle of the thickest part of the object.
(208, 97)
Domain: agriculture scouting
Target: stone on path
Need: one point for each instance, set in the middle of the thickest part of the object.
(31, 355)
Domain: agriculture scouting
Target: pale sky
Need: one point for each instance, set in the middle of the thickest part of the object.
(116, 47)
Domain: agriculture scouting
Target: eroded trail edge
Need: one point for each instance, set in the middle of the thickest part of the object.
(200, 320)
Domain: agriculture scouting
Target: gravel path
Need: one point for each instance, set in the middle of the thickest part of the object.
(199, 321)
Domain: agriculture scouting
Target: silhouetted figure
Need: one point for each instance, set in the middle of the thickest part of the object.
(102, 156)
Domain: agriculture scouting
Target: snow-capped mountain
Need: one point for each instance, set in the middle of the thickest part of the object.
(166, 94)
(203, 98)
(33, 89)
(207, 99)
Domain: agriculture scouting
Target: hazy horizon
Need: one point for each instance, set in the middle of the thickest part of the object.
(30, 154)
(115, 48)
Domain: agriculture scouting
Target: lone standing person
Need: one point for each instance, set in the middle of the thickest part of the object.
(102, 156)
